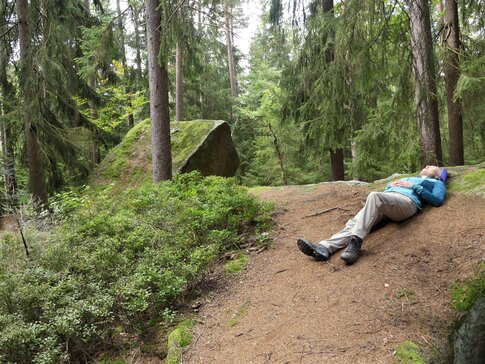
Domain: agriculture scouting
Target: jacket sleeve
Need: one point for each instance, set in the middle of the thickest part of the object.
(435, 196)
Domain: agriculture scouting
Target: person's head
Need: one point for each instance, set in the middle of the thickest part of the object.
(430, 171)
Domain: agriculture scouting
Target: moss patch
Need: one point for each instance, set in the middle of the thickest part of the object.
(117, 164)
(239, 315)
(466, 293)
(187, 139)
(471, 181)
(178, 340)
(237, 265)
(409, 353)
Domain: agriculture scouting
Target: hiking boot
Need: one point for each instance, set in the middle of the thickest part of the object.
(351, 253)
(317, 251)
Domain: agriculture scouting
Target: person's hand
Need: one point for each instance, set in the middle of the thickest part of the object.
(402, 183)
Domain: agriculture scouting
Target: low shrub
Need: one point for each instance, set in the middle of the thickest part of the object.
(115, 261)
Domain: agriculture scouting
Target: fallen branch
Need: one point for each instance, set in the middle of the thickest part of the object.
(23, 237)
(325, 211)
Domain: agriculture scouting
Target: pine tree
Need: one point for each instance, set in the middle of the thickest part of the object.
(159, 108)
(451, 67)
(6, 109)
(231, 65)
(35, 158)
(425, 88)
(179, 78)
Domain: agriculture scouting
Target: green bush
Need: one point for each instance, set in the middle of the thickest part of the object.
(115, 261)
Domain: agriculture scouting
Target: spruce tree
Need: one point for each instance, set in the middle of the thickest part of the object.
(158, 84)
(425, 84)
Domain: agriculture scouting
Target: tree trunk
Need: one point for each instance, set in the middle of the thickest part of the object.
(337, 163)
(95, 152)
(131, 121)
(451, 67)
(158, 84)
(179, 84)
(279, 155)
(179, 76)
(10, 180)
(136, 24)
(336, 156)
(425, 92)
(230, 58)
(353, 151)
(35, 161)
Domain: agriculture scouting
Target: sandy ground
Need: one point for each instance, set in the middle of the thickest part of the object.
(288, 308)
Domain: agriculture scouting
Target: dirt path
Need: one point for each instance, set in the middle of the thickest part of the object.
(288, 308)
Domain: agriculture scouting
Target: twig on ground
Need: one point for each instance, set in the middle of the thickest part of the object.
(325, 211)
(438, 288)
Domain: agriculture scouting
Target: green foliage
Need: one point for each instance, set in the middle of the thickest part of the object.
(96, 46)
(270, 152)
(113, 262)
(237, 265)
(409, 353)
(464, 294)
(178, 340)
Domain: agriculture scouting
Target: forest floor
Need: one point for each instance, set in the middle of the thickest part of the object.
(288, 308)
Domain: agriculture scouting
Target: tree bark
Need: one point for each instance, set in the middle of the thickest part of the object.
(131, 121)
(179, 84)
(10, 180)
(425, 88)
(279, 155)
(35, 160)
(337, 163)
(230, 57)
(451, 67)
(95, 151)
(179, 76)
(159, 109)
(136, 24)
(337, 155)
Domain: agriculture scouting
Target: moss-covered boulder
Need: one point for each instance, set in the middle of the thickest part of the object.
(204, 145)
(469, 336)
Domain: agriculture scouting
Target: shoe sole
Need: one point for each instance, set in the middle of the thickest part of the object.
(349, 261)
(306, 249)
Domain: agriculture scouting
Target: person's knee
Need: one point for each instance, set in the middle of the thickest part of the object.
(375, 196)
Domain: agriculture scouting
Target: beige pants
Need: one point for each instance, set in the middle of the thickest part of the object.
(378, 205)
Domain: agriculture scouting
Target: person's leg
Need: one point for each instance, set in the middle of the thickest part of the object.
(393, 205)
(378, 205)
(341, 239)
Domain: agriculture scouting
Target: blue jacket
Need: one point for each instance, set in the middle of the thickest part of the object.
(423, 190)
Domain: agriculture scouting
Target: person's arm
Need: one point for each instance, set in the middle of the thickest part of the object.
(435, 196)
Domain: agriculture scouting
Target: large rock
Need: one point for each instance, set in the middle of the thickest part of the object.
(469, 337)
(204, 145)
(215, 155)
